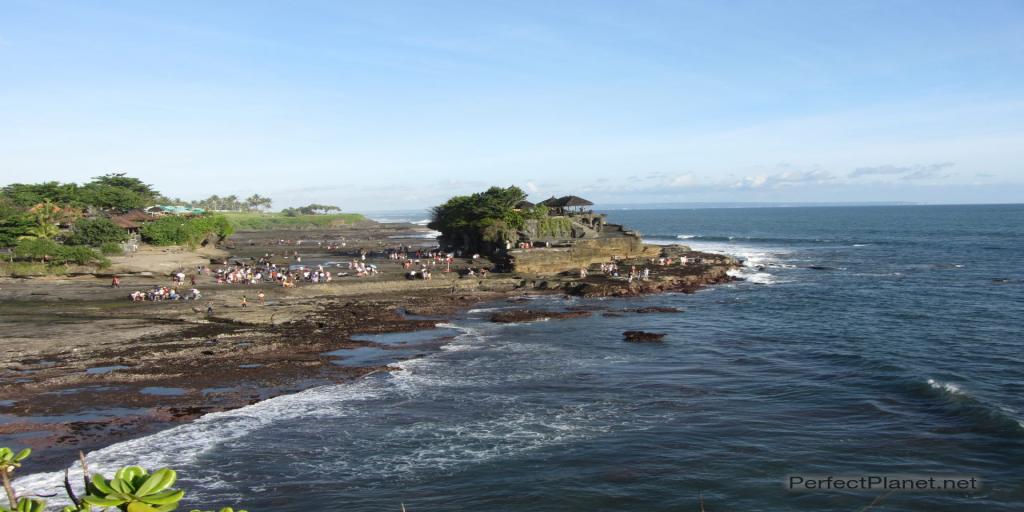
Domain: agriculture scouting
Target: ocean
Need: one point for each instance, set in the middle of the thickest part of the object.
(863, 341)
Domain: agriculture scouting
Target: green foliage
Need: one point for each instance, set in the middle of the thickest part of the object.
(111, 198)
(134, 490)
(111, 249)
(537, 212)
(554, 227)
(267, 221)
(111, 191)
(312, 209)
(25, 195)
(13, 226)
(253, 203)
(30, 269)
(120, 180)
(488, 216)
(27, 505)
(36, 249)
(96, 232)
(9, 461)
(189, 231)
(117, 192)
(45, 250)
(79, 255)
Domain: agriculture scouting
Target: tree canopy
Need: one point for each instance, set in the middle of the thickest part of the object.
(484, 217)
(113, 191)
(35, 216)
(312, 209)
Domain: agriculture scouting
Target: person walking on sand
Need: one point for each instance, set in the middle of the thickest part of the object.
(209, 309)
(115, 282)
(261, 297)
(244, 302)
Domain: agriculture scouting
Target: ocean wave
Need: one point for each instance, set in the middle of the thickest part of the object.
(952, 389)
(753, 277)
(182, 446)
(675, 237)
(757, 260)
(980, 413)
(431, 235)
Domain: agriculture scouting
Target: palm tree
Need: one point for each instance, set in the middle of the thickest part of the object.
(46, 216)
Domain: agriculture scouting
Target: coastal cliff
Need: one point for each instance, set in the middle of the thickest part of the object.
(581, 254)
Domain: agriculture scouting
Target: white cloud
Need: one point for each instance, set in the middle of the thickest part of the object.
(906, 172)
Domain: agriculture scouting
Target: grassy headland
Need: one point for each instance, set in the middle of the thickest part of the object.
(255, 221)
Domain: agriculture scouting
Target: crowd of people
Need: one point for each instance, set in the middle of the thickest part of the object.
(161, 293)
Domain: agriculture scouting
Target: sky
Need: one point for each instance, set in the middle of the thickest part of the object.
(398, 105)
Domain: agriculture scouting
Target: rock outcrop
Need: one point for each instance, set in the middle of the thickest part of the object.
(529, 315)
(683, 280)
(580, 254)
(642, 336)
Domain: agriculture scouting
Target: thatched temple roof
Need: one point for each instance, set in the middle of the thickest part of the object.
(574, 201)
(566, 202)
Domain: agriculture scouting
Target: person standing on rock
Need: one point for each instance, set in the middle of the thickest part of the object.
(115, 282)
(244, 302)
(261, 297)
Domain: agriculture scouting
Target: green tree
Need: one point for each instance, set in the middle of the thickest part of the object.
(46, 217)
(96, 232)
(36, 249)
(120, 180)
(26, 195)
(488, 216)
(14, 222)
(186, 231)
(110, 197)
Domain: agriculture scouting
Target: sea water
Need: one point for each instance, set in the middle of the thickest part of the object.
(869, 340)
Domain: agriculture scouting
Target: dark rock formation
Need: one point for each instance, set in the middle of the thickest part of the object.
(683, 280)
(642, 336)
(653, 309)
(529, 315)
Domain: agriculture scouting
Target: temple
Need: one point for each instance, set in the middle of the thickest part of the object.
(570, 237)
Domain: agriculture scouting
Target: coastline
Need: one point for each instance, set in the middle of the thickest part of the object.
(145, 367)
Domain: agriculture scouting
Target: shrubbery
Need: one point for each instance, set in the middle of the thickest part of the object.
(186, 231)
(484, 217)
(111, 249)
(48, 251)
(96, 232)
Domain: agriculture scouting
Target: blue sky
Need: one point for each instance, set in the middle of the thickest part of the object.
(396, 105)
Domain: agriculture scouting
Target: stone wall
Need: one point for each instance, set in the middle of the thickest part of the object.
(582, 253)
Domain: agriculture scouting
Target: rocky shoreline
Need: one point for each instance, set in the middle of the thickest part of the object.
(111, 370)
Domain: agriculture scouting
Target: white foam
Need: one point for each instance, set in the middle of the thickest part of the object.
(430, 235)
(952, 389)
(753, 277)
(685, 237)
(182, 445)
(483, 310)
